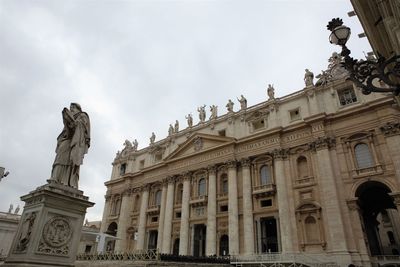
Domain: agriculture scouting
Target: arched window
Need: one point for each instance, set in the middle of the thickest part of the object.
(302, 167)
(224, 184)
(158, 198)
(265, 175)
(312, 231)
(363, 156)
(202, 187)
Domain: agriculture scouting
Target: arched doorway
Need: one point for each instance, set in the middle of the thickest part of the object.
(224, 245)
(377, 211)
(152, 243)
(175, 250)
(111, 230)
(199, 240)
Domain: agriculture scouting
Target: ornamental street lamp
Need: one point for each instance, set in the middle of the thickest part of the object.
(2, 173)
(372, 75)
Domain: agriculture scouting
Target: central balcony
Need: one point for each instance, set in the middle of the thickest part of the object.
(264, 190)
(198, 201)
(154, 209)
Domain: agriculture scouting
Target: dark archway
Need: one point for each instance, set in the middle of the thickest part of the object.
(175, 250)
(111, 230)
(374, 201)
(224, 245)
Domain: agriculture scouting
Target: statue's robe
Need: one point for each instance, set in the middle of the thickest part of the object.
(72, 145)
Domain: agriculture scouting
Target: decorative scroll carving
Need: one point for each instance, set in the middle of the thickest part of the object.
(26, 231)
(56, 236)
(323, 142)
(391, 128)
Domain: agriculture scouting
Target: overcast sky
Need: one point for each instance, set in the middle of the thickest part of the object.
(137, 66)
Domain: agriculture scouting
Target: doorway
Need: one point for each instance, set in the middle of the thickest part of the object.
(269, 235)
(199, 240)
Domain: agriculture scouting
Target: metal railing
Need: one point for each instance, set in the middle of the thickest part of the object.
(140, 255)
(284, 259)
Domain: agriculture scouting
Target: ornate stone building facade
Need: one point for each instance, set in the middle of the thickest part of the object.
(316, 171)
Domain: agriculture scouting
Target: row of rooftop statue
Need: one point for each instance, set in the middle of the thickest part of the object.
(334, 71)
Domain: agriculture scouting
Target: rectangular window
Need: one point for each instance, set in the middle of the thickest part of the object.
(154, 219)
(178, 215)
(222, 133)
(88, 249)
(259, 124)
(223, 208)
(122, 169)
(295, 114)
(266, 203)
(158, 157)
(347, 96)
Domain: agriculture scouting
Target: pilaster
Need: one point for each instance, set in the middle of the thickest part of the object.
(211, 234)
(169, 206)
(233, 209)
(184, 232)
(248, 223)
(162, 216)
(143, 217)
(120, 243)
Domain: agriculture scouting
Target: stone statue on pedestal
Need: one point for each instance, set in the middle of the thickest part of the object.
(189, 119)
(229, 106)
(271, 92)
(72, 144)
(152, 138)
(176, 126)
(202, 113)
(214, 112)
(309, 78)
(243, 102)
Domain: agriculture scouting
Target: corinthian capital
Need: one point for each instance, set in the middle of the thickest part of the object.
(212, 169)
(280, 153)
(231, 163)
(245, 162)
(322, 143)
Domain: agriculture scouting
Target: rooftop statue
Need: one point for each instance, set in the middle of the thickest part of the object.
(176, 126)
(229, 106)
(72, 145)
(189, 119)
(127, 144)
(309, 78)
(202, 113)
(152, 138)
(243, 102)
(170, 130)
(214, 112)
(135, 145)
(271, 92)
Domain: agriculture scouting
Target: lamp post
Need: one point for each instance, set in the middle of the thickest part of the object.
(372, 75)
(3, 173)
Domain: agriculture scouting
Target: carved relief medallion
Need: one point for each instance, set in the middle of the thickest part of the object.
(57, 233)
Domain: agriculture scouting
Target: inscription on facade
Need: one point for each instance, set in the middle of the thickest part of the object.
(296, 136)
(259, 144)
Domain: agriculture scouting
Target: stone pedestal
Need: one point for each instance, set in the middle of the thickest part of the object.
(50, 228)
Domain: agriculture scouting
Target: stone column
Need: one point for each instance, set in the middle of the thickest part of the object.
(184, 232)
(211, 245)
(329, 194)
(169, 208)
(233, 209)
(248, 223)
(143, 218)
(358, 232)
(162, 216)
(123, 220)
(283, 204)
(106, 213)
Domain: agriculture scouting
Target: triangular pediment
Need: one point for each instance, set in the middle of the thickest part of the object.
(198, 143)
